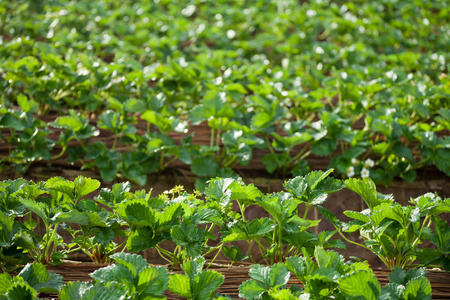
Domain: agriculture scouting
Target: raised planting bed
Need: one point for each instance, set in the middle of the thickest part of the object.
(47, 221)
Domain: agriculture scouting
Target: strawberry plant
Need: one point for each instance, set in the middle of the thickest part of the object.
(392, 231)
(196, 283)
(33, 278)
(54, 210)
(344, 82)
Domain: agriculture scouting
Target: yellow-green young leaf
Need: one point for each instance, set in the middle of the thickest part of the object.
(205, 283)
(283, 294)
(26, 105)
(360, 284)
(137, 212)
(84, 186)
(90, 291)
(73, 123)
(180, 285)
(252, 289)
(20, 291)
(418, 288)
(5, 282)
(153, 281)
(37, 276)
(62, 185)
(366, 189)
(134, 262)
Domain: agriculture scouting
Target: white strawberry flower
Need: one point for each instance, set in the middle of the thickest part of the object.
(365, 173)
(355, 162)
(369, 162)
(350, 171)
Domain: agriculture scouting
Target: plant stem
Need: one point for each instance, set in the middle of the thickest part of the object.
(306, 210)
(219, 249)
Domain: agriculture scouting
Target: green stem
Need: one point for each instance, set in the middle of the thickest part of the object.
(163, 257)
(416, 241)
(306, 210)
(249, 252)
(214, 258)
(280, 246)
(350, 241)
(48, 242)
(60, 154)
(242, 209)
(161, 251)
(211, 141)
(262, 250)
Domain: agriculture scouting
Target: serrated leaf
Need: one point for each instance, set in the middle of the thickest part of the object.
(361, 283)
(38, 208)
(21, 291)
(74, 216)
(234, 253)
(116, 272)
(205, 283)
(418, 288)
(143, 239)
(252, 289)
(274, 276)
(5, 282)
(153, 281)
(366, 189)
(88, 291)
(180, 285)
(218, 190)
(134, 262)
(357, 216)
(84, 186)
(137, 212)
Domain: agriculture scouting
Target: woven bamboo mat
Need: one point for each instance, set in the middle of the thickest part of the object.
(236, 275)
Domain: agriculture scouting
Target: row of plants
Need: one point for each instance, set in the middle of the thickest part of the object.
(47, 221)
(361, 83)
(324, 276)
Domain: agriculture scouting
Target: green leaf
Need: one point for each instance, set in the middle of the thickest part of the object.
(134, 262)
(5, 282)
(234, 253)
(204, 166)
(21, 291)
(117, 272)
(153, 281)
(89, 291)
(180, 285)
(137, 212)
(38, 208)
(360, 284)
(324, 146)
(300, 267)
(283, 295)
(357, 216)
(254, 229)
(418, 288)
(11, 121)
(366, 189)
(73, 123)
(143, 239)
(193, 267)
(84, 186)
(73, 216)
(252, 289)
(205, 283)
(62, 185)
(218, 190)
(37, 276)
(25, 104)
(274, 276)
